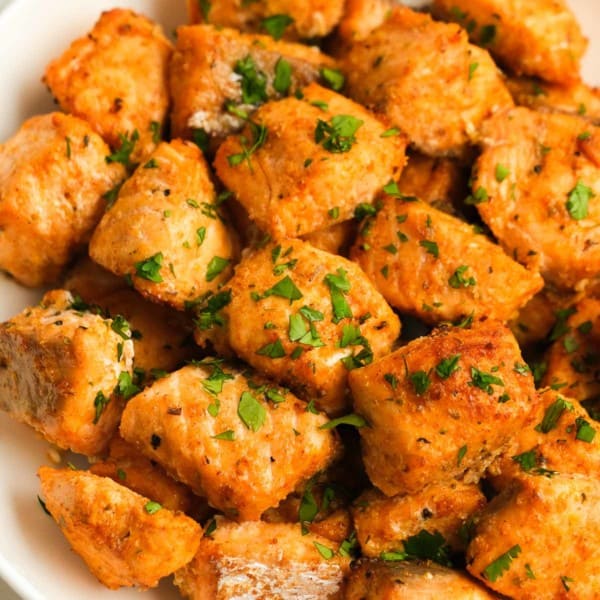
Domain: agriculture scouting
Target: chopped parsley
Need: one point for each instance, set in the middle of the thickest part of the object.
(498, 567)
(430, 247)
(352, 419)
(420, 381)
(502, 172)
(487, 35)
(215, 267)
(200, 235)
(472, 68)
(121, 326)
(207, 309)
(479, 196)
(339, 286)
(275, 25)
(447, 366)
(337, 136)
(333, 78)
(251, 412)
(392, 132)
(152, 507)
(285, 288)
(125, 386)
(259, 137)
(585, 432)
(123, 154)
(457, 280)
(462, 451)
(302, 333)
(150, 268)
(553, 414)
(100, 404)
(283, 76)
(578, 200)
(228, 436)
(272, 350)
(484, 381)
(253, 83)
(324, 551)
(526, 460)
(205, 7)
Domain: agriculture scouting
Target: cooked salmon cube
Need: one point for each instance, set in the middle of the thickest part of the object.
(390, 524)
(162, 337)
(306, 318)
(427, 80)
(219, 75)
(360, 18)
(562, 438)
(441, 182)
(304, 164)
(537, 184)
(53, 175)
(233, 437)
(130, 468)
(165, 231)
(573, 360)
(115, 77)
(59, 367)
(384, 580)
(529, 37)
(540, 539)
(279, 18)
(574, 98)
(537, 317)
(124, 538)
(442, 407)
(262, 560)
(434, 266)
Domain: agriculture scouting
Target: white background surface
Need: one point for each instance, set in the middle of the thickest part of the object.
(33, 555)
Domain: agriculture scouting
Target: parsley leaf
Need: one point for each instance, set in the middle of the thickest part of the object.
(272, 350)
(275, 25)
(484, 381)
(205, 7)
(430, 247)
(339, 285)
(447, 366)
(426, 545)
(283, 76)
(150, 268)
(228, 436)
(457, 280)
(125, 386)
(253, 83)
(553, 414)
(498, 567)
(585, 432)
(152, 507)
(259, 137)
(420, 381)
(100, 403)
(324, 551)
(578, 200)
(526, 460)
(285, 288)
(502, 173)
(337, 136)
(215, 267)
(251, 412)
(123, 154)
(208, 312)
(352, 419)
(333, 78)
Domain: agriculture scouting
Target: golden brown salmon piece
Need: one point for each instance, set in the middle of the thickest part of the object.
(441, 509)
(537, 184)
(303, 165)
(308, 19)
(434, 266)
(360, 18)
(426, 79)
(574, 98)
(442, 407)
(529, 37)
(573, 360)
(562, 438)
(125, 539)
(383, 580)
(441, 182)
(59, 368)
(115, 78)
(53, 175)
(128, 467)
(162, 337)
(165, 230)
(536, 319)
(540, 539)
(306, 318)
(262, 560)
(233, 437)
(215, 68)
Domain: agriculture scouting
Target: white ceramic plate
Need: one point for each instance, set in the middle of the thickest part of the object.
(34, 557)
